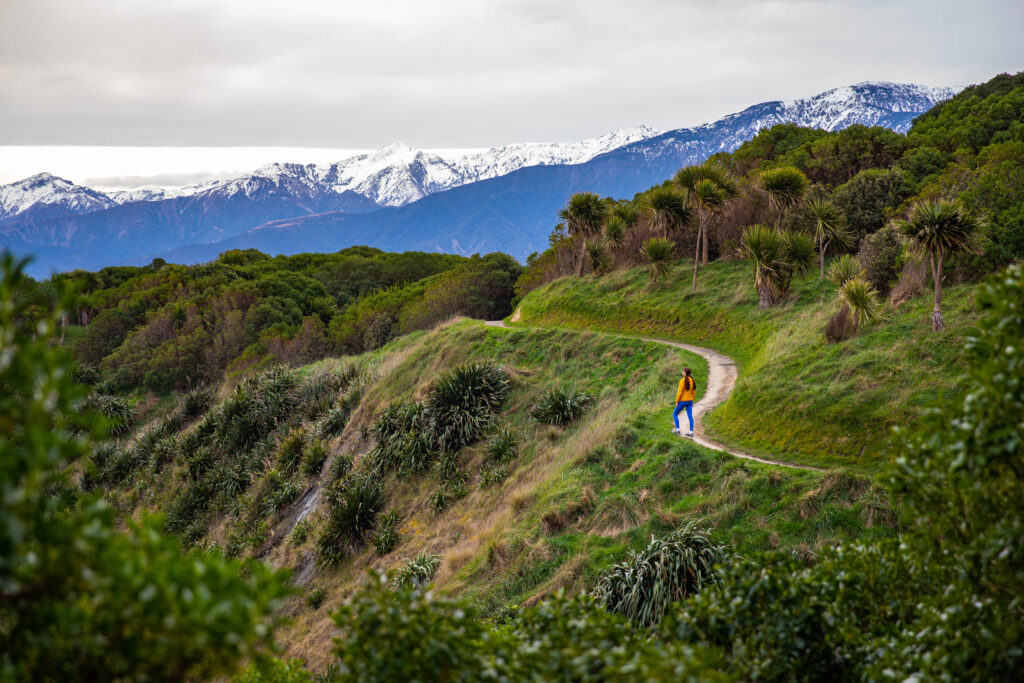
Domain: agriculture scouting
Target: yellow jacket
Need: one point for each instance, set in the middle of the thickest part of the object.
(685, 393)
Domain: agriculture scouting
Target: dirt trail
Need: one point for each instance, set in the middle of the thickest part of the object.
(722, 374)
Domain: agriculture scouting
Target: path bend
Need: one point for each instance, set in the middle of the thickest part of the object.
(722, 374)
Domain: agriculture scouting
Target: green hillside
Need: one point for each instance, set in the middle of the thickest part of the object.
(199, 464)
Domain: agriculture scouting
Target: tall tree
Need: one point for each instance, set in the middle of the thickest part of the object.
(584, 215)
(939, 229)
(668, 210)
(710, 188)
(785, 187)
(828, 228)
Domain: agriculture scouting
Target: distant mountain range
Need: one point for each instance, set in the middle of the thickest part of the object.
(502, 199)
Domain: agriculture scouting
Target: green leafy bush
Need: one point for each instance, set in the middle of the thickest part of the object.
(668, 570)
(316, 597)
(351, 517)
(503, 445)
(460, 404)
(118, 412)
(313, 458)
(560, 406)
(82, 595)
(417, 572)
(386, 537)
(196, 402)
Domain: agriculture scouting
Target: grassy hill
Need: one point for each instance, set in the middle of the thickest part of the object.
(574, 499)
(798, 398)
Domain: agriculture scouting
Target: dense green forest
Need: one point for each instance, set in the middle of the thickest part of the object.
(200, 463)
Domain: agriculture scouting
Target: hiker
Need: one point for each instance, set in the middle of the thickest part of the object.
(684, 401)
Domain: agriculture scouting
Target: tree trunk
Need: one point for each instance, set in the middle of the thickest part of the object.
(821, 260)
(696, 253)
(579, 262)
(937, 323)
(764, 297)
(704, 231)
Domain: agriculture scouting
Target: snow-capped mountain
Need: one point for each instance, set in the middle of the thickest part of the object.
(500, 199)
(878, 103)
(500, 161)
(399, 174)
(44, 196)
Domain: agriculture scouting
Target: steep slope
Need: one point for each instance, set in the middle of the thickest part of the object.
(568, 502)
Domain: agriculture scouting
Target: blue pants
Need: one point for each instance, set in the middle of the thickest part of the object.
(688, 405)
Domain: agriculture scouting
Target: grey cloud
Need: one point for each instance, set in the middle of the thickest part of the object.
(456, 72)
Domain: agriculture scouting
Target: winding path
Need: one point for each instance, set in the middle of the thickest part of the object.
(722, 374)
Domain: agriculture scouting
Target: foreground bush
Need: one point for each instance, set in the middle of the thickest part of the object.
(79, 598)
(668, 570)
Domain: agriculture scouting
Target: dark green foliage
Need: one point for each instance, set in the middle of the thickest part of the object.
(351, 517)
(340, 467)
(461, 402)
(196, 402)
(299, 534)
(83, 597)
(313, 458)
(490, 475)
(417, 572)
(274, 491)
(316, 597)
(291, 451)
(880, 256)
(560, 406)
(408, 634)
(668, 570)
(333, 422)
(869, 199)
(386, 537)
(978, 116)
(440, 499)
(118, 412)
(189, 506)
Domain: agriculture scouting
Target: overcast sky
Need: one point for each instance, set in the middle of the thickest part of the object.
(457, 73)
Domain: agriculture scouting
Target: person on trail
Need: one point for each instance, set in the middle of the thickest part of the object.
(685, 394)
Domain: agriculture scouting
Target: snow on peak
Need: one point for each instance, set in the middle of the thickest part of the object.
(45, 194)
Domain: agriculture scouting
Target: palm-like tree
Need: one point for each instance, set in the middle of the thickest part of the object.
(785, 187)
(778, 257)
(843, 269)
(668, 210)
(628, 212)
(940, 229)
(657, 251)
(584, 215)
(710, 188)
(828, 228)
(615, 232)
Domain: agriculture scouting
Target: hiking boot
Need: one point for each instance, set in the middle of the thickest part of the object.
(676, 431)
(688, 435)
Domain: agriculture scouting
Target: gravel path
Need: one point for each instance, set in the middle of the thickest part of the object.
(721, 379)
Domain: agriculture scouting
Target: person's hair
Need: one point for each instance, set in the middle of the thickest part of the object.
(687, 379)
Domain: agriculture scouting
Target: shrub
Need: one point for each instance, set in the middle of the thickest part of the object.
(439, 500)
(460, 404)
(333, 422)
(299, 534)
(844, 268)
(503, 445)
(880, 255)
(493, 474)
(840, 326)
(313, 458)
(417, 572)
(118, 412)
(386, 537)
(196, 402)
(316, 597)
(861, 299)
(669, 569)
(351, 517)
(340, 467)
(291, 451)
(275, 491)
(560, 407)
